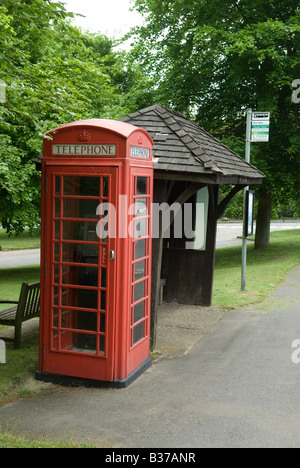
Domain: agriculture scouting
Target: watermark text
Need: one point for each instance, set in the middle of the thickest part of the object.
(296, 93)
(2, 352)
(2, 92)
(296, 353)
(176, 220)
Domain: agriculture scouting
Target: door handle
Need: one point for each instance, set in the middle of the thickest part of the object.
(112, 255)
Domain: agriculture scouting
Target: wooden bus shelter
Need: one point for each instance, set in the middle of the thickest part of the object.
(189, 166)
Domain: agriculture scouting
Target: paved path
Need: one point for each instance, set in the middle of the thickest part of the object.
(238, 387)
(19, 258)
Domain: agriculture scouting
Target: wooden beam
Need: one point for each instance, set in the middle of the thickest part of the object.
(209, 262)
(159, 196)
(185, 177)
(185, 196)
(224, 203)
(189, 192)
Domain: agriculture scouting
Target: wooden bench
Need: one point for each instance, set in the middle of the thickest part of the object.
(26, 308)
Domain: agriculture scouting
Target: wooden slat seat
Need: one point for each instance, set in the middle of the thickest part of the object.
(8, 315)
(26, 308)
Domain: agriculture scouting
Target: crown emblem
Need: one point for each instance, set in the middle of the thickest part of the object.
(84, 136)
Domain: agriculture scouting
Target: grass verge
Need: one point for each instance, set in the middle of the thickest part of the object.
(11, 280)
(266, 269)
(23, 241)
(8, 440)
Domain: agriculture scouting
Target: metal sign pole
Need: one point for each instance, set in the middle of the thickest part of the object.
(248, 151)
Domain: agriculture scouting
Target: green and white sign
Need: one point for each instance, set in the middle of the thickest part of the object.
(260, 126)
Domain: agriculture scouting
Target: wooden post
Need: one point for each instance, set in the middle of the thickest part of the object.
(159, 196)
(209, 263)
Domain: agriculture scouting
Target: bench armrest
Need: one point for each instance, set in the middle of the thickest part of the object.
(8, 302)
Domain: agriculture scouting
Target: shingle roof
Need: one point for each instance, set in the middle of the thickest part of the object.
(182, 146)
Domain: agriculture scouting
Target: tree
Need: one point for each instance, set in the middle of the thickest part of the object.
(54, 74)
(214, 59)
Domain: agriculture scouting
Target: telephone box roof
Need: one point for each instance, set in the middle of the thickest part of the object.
(121, 128)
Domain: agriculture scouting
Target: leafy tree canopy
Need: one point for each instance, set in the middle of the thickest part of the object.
(216, 58)
(54, 74)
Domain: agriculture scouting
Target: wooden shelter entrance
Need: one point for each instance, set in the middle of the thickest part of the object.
(189, 165)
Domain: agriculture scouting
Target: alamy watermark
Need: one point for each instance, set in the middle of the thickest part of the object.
(2, 92)
(163, 217)
(296, 353)
(296, 93)
(2, 352)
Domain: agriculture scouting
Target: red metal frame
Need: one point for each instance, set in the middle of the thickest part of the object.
(79, 337)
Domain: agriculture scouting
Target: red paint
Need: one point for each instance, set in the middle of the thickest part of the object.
(95, 310)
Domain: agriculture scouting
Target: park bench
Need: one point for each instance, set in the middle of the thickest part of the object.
(26, 308)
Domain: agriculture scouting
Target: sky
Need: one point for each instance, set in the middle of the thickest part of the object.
(110, 17)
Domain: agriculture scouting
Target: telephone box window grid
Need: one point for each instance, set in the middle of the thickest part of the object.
(141, 264)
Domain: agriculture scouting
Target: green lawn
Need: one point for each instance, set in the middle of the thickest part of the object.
(265, 270)
(24, 241)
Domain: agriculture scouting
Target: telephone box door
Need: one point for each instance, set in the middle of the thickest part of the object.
(80, 272)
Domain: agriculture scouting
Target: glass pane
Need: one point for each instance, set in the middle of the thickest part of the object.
(141, 207)
(140, 249)
(141, 186)
(81, 276)
(105, 187)
(103, 300)
(83, 298)
(57, 208)
(56, 252)
(79, 342)
(138, 332)
(55, 318)
(102, 344)
(141, 228)
(80, 253)
(139, 311)
(55, 340)
(139, 270)
(57, 185)
(102, 231)
(103, 277)
(139, 291)
(56, 273)
(87, 299)
(79, 320)
(84, 186)
(65, 319)
(86, 209)
(55, 295)
(57, 229)
(102, 323)
(80, 230)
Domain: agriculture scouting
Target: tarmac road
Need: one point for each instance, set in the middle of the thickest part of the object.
(229, 233)
(19, 258)
(238, 387)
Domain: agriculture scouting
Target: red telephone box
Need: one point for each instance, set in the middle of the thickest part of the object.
(97, 188)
